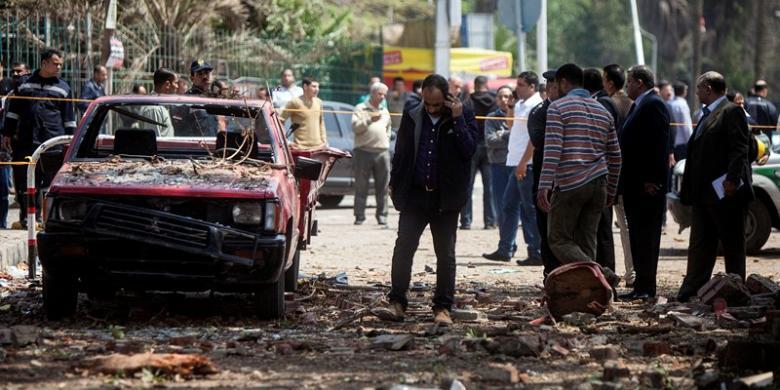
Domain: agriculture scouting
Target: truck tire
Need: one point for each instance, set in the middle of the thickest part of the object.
(758, 226)
(60, 294)
(330, 201)
(269, 299)
(291, 275)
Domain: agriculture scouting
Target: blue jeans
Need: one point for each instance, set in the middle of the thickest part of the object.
(519, 206)
(500, 176)
(5, 177)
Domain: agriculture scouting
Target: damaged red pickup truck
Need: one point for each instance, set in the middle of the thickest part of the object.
(179, 194)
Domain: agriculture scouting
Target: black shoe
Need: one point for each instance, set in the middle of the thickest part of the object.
(381, 220)
(635, 296)
(359, 221)
(491, 227)
(684, 298)
(530, 262)
(495, 256)
(465, 227)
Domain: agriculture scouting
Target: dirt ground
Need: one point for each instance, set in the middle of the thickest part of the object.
(316, 347)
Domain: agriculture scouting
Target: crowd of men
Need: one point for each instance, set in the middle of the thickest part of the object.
(556, 155)
(557, 166)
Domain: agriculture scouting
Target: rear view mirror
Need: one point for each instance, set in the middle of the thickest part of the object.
(307, 168)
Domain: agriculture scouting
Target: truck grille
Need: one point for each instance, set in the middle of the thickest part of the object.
(140, 223)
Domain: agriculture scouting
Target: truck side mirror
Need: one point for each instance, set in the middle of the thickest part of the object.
(51, 160)
(307, 168)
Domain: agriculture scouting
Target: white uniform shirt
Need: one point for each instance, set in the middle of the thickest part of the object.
(518, 137)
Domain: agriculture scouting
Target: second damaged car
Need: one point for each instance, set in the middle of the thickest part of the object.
(179, 194)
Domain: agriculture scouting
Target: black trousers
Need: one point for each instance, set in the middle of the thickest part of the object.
(422, 212)
(548, 257)
(723, 222)
(645, 214)
(605, 242)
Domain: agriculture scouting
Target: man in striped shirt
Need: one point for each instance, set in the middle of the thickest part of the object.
(581, 167)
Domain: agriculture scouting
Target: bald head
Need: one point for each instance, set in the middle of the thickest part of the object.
(456, 85)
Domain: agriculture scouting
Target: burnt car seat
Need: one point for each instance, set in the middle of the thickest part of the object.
(136, 142)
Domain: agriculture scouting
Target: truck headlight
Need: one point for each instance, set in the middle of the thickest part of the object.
(248, 213)
(72, 210)
(269, 219)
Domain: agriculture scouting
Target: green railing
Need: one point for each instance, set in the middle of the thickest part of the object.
(343, 69)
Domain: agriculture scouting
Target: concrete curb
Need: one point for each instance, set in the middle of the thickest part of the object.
(13, 248)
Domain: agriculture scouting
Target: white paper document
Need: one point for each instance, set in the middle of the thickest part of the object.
(717, 185)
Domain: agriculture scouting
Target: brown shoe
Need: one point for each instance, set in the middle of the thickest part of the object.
(392, 312)
(442, 316)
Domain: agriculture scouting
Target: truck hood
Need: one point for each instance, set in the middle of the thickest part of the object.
(182, 178)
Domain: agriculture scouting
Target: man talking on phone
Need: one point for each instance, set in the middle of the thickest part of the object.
(428, 183)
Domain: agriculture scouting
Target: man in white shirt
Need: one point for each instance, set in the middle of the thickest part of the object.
(287, 91)
(681, 115)
(518, 203)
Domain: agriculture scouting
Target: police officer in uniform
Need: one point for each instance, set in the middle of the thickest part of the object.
(200, 75)
(28, 123)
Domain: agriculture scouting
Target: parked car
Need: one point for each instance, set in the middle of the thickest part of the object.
(341, 181)
(763, 212)
(217, 202)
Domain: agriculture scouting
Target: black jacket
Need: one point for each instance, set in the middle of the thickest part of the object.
(719, 146)
(761, 110)
(456, 146)
(31, 122)
(537, 123)
(483, 104)
(645, 146)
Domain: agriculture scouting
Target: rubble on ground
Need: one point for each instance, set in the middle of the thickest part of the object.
(503, 337)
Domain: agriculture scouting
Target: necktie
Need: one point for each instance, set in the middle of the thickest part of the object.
(705, 111)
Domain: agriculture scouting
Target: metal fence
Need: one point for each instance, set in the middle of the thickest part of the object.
(342, 68)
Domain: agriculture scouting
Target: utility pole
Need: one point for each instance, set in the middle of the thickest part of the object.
(520, 39)
(108, 32)
(698, 26)
(541, 40)
(442, 45)
(640, 52)
(760, 45)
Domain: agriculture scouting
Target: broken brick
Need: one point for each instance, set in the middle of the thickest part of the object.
(615, 369)
(758, 284)
(750, 354)
(501, 373)
(466, 315)
(393, 342)
(515, 346)
(604, 353)
(656, 348)
(727, 286)
(653, 379)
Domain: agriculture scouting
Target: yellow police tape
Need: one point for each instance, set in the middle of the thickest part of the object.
(776, 127)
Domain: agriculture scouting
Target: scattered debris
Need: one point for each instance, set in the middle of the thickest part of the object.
(758, 284)
(656, 348)
(727, 286)
(604, 353)
(579, 319)
(577, 287)
(500, 373)
(466, 315)
(759, 380)
(393, 342)
(166, 363)
(19, 335)
(615, 369)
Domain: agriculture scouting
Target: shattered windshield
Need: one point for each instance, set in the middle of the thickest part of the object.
(177, 131)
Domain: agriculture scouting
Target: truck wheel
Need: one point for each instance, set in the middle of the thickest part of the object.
(330, 201)
(291, 275)
(60, 294)
(758, 226)
(270, 300)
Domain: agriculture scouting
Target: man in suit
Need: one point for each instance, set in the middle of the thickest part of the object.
(428, 183)
(645, 145)
(717, 150)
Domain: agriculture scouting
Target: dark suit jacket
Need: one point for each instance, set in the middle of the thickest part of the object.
(644, 144)
(719, 145)
(457, 140)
